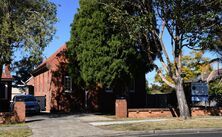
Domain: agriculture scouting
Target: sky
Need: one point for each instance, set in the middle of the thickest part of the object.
(65, 15)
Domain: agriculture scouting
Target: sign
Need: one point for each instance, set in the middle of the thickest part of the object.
(199, 91)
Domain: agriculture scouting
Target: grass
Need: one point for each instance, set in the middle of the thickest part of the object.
(174, 123)
(13, 125)
(15, 130)
(21, 132)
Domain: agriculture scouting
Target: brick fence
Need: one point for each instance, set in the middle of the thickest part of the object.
(152, 112)
(17, 116)
(122, 111)
(171, 112)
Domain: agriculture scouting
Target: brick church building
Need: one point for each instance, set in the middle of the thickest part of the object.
(51, 79)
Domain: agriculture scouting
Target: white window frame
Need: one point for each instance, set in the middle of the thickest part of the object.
(66, 88)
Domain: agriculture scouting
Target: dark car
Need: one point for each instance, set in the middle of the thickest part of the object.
(31, 104)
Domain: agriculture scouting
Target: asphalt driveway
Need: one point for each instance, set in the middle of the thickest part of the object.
(76, 125)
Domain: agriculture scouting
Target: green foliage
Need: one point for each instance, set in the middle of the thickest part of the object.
(23, 69)
(193, 65)
(195, 21)
(27, 26)
(101, 51)
(160, 89)
(190, 23)
(137, 21)
(215, 87)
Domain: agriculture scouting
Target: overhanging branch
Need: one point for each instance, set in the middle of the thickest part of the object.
(165, 80)
(169, 67)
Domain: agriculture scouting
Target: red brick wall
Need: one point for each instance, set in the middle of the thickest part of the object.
(49, 82)
(165, 112)
(17, 116)
(121, 108)
(207, 112)
(19, 111)
(144, 113)
(41, 87)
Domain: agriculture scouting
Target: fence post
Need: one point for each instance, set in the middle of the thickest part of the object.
(19, 112)
(121, 108)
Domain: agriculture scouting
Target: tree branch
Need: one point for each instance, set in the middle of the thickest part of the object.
(165, 52)
(163, 48)
(209, 78)
(162, 30)
(164, 66)
(165, 80)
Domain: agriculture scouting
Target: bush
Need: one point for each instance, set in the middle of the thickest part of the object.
(7, 118)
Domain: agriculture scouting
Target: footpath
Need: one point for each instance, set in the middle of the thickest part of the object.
(87, 125)
(156, 131)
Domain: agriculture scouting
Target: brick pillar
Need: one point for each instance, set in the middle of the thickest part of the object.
(121, 108)
(19, 110)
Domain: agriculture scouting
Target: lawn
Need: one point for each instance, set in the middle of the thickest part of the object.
(15, 130)
(173, 123)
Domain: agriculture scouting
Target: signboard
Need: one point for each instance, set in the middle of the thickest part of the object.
(199, 91)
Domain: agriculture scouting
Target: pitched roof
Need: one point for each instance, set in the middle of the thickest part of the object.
(45, 64)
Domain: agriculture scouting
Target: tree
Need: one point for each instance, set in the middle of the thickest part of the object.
(102, 49)
(193, 66)
(215, 87)
(190, 24)
(215, 91)
(23, 69)
(27, 26)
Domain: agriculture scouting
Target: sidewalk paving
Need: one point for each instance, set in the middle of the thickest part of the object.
(125, 122)
(86, 125)
(67, 126)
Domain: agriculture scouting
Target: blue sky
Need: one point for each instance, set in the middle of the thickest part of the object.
(65, 14)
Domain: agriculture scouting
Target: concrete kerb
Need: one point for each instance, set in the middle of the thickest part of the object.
(168, 132)
(124, 122)
(195, 130)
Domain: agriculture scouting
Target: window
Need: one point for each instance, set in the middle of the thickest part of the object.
(68, 84)
(132, 86)
(3, 91)
(108, 90)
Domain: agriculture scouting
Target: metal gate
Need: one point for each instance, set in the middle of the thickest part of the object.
(42, 102)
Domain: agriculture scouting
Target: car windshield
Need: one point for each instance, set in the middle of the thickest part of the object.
(25, 98)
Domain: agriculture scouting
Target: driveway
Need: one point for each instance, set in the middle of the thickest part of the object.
(67, 126)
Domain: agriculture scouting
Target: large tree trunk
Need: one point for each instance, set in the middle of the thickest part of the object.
(181, 99)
